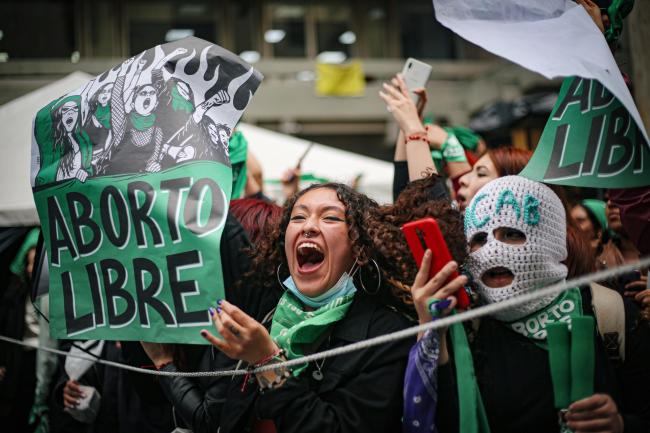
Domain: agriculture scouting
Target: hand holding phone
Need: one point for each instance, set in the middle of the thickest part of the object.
(415, 75)
(425, 234)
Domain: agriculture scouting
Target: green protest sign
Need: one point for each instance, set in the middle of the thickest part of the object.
(590, 140)
(132, 180)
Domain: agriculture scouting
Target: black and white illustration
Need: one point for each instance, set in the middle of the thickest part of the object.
(171, 104)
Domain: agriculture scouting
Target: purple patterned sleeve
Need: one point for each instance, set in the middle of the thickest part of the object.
(421, 385)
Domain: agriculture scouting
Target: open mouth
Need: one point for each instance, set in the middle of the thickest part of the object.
(69, 121)
(462, 201)
(497, 277)
(310, 257)
(146, 103)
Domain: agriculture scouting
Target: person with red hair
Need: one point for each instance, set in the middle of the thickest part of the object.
(497, 162)
(254, 214)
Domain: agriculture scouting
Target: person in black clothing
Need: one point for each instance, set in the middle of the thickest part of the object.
(515, 226)
(325, 232)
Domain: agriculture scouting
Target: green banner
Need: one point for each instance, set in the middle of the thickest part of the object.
(590, 140)
(136, 258)
(132, 180)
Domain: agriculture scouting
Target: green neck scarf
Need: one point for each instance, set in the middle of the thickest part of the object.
(142, 123)
(179, 103)
(103, 115)
(294, 329)
(564, 308)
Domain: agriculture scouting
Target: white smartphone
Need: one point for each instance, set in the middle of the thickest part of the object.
(416, 74)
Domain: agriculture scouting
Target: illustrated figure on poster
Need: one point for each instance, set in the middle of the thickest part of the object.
(200, 138)
(68, 154)
(98, 124)
(136, 141)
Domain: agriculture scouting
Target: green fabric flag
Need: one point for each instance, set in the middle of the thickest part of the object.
(467, 138)
(590, 140)
(103, 115)
(238, 151)
(295, 329)
(472, 415)
(571, 362)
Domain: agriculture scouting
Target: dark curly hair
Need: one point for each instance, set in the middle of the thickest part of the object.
(373, 238)
(414, 203)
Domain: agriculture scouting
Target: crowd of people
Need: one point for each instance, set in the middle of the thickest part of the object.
(331, 267)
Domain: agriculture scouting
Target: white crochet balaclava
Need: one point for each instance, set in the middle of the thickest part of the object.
(534, 209)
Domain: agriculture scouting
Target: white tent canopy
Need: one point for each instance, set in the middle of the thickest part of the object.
(278, 152)
(16, 201)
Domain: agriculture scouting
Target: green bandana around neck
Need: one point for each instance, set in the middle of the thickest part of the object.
(293, 328)
(142, 123)
(179, 103)
(564, 308)
(103, 115)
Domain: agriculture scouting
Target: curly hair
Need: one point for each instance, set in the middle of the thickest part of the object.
(373, 239)
(415, 203)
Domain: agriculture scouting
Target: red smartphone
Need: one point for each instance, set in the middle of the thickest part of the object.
(423, 234)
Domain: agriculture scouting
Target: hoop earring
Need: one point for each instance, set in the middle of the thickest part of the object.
(363, 286)
(277, 275)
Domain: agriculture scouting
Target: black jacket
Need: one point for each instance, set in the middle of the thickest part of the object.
(360, 391)
(515, 383)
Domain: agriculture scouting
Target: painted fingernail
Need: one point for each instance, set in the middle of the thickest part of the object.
(218, 310)
(219, 301)
(443, 304)
(211, 311)
(204, 333)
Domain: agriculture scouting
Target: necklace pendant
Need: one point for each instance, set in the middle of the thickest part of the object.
(317, 375)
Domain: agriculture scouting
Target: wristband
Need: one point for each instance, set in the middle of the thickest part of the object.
(418, 136)
(452, 150)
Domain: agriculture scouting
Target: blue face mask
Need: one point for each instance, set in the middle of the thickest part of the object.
(344, 286)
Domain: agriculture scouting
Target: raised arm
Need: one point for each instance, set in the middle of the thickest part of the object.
(399, 103)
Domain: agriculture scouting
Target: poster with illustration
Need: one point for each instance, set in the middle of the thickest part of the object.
(132, 180)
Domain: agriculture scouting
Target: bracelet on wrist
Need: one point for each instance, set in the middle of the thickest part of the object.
(417, 136)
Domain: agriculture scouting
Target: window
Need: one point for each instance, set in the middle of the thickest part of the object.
(152, 23)
(284, 32)
(33, 29)
(422, 35)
